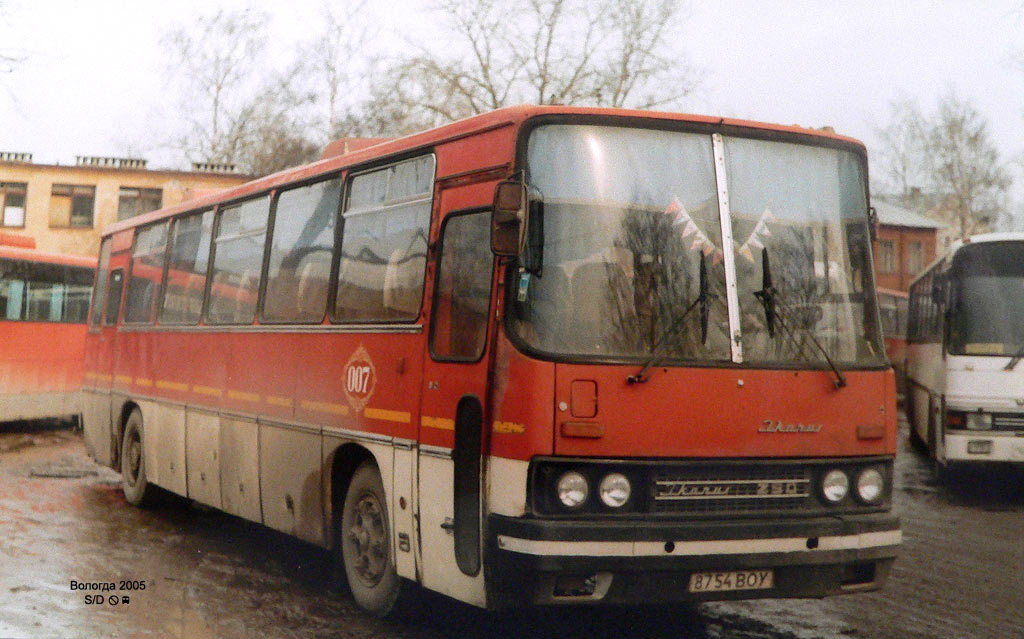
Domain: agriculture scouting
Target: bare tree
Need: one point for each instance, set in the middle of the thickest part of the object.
(964, 166)
(272, 131)
(238, 112)
(337, 60)
(214, 57)
(10, 59)
(602, 53)
(902, 151)
(949, 155)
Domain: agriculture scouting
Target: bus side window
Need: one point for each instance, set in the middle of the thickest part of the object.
(237, 262)
(100, 290)
(147, 273)
(459, 327)
(113, 306)
(384, 243)
(12, 291)
(301, 248)
(186, 271)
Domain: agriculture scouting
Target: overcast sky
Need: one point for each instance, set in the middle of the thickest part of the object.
(93, 81)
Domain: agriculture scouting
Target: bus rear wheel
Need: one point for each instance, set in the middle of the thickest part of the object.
(137, 489)
(364, 538)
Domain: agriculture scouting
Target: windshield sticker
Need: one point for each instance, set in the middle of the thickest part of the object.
(524, 286)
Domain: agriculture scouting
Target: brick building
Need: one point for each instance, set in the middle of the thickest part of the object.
(64, 208)
(907, 242)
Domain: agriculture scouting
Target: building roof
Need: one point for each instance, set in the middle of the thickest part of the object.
(890, 215)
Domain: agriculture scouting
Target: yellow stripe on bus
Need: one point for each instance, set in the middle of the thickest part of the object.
(124, 379)
(274, 400)
(207, 390)
(244, 396)
(90, 375)
(324, 407)
(388, 415)
(166, 385)
(441, 423)
(141, 381)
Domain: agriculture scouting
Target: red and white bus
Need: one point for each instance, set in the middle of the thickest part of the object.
(543, 355)
(44, 301)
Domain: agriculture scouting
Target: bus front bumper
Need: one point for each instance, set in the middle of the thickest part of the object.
(567, 562)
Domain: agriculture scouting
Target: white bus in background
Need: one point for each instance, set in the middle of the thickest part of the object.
(965, 341)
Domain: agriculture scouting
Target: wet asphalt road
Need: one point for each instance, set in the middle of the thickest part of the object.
(62, 518)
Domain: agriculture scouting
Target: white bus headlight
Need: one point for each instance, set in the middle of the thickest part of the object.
(834, 485)
(870, 485)
(614, 490)
(572, 489)
(979, 421)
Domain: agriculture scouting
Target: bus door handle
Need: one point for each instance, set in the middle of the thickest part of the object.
(449, 525)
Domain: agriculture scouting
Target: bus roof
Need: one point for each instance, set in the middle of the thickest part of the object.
(508, 116)
(981, 238)
(40, 257)
(989, 237)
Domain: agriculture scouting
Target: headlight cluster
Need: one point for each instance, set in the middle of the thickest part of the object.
(868, 485)
(957, 420)
(581, 488)
(573, 489)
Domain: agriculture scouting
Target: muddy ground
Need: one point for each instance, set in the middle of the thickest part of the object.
(205, 574)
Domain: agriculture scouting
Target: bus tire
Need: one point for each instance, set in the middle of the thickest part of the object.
(364, 537)
(137, 489)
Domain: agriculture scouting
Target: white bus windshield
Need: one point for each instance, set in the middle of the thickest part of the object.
(987, 314)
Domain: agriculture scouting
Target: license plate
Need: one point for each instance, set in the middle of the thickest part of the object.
(731, 580)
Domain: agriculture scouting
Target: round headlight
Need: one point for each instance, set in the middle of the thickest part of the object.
(614, 490)
(834, 485)
(572, 489)
(870, 485)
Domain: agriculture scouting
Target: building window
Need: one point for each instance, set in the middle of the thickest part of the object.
(887, 256)
(71, 206)
(915, 257)
(12, 204)
(132, 201)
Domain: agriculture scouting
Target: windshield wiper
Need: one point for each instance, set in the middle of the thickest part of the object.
(700, 302)
(769, 296)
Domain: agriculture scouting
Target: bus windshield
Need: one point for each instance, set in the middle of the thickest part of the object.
(628, 215)
(987, 315)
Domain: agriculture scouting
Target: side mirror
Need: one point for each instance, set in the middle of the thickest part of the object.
(508, 221)
(873, 223)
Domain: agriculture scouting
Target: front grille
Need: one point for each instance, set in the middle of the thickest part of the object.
(732, 489)
(1008, 421)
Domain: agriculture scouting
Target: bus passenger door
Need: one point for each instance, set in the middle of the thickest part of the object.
(101, 420)
(454, 408)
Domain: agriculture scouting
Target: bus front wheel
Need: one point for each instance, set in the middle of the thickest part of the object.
(137, 489)
(364, 537)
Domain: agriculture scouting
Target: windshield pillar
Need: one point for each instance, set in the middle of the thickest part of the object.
(729, 258)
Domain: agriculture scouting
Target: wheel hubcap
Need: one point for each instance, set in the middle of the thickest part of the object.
(134, 458)
(367, 536)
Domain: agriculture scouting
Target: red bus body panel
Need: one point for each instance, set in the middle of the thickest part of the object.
(716, 413)
(41, 363)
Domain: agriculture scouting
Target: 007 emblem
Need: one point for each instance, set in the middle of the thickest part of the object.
(360, 379)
